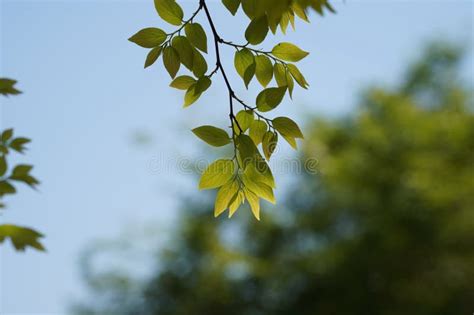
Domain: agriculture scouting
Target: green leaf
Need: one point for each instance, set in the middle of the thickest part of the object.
(269, 144)
(290, 82)
(6, 188)
(202, 85)
(289, 52)
(260, 189)
(183, 82)
(199, 64)
(246, 149)
(263, 70)
(287, 127)
(258, 128)
(244, 63)
(280, 74)
(224, 196)
(169, 11)
(253, 8)
(236, 202)
(21, 237)
(298, 76)
(232, 5)
(7, 87)
(191, 96)
(261, 172)
(149, 37)
(254, 203)
(270, 98)
(18, 144)
(257, 30)
(152, 56)
(217, 174)
(6, 135)
(214, 136)
(21, 173)
(171, 61)
(245, 119)
(185, 51)
(3, 165)
(197, 36)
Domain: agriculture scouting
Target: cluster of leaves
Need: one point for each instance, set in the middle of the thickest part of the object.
(21, 237)
(388, 229)
(247, 175)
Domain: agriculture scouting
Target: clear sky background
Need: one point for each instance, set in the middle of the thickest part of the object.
(86, 95)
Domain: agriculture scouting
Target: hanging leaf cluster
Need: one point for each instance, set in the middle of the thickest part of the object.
(246, 176)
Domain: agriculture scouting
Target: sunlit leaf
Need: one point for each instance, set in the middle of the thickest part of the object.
(152, 56)
(197, 36)
(270, 98)
(171, 61)
(212, 135)
(263, 69)
(183, 82)
(217, 174)
(21, 237)
(289, 52)
(224, 196)
(170, 11)
(149, 37)
(257, 30)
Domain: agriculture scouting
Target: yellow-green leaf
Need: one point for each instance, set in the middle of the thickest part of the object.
(152, 56)
(258, 128)
(183, 82)
(263, 69)
(191, 96)
(21, 237)
(232, 5)
(170, 11)
(171, 61)
(269, 143)
(244, 63)
(236, 202)
(289, 52)
(287, 127)
(245, 119)
(298, 76)
(185, 51)
(260, 189)
(149, 37)
(270, 98)
(217, 174)
(212, 135)
(254, 203)
(280, 74)
(197, 36)
(199, 64)
(224, 196)
(257, 30)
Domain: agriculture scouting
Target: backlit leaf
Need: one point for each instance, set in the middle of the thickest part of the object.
(197, 36)
(21, 237)
(170, 11)
(263, 70)
(152, 56)
(183, 82)
(212, 135)
(171, 61)
(270, 98)
(257, 30)
(149, 37)
(224, 196)
(288, 52)
(217, 174)
(258, 128)
(232, 5)
(185, 51)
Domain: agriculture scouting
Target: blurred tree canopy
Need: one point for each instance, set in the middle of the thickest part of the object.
(386, 226)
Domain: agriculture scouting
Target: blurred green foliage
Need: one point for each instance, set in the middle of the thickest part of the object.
(386, 226)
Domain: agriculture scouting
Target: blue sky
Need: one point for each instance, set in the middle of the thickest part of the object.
(86, 95)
